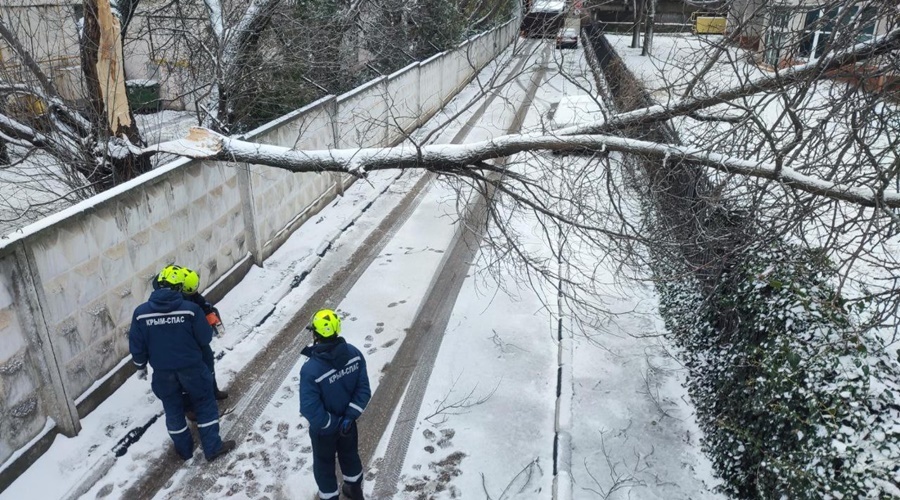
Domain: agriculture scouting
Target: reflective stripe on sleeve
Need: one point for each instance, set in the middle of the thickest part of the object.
(352, 360)
(356, 407)
(325, 375)
(329, 422)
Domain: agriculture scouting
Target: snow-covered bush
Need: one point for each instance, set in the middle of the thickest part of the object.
(794, 402)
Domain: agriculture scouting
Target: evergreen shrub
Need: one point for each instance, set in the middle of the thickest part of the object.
(794, 402)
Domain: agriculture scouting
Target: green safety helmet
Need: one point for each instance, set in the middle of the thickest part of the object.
(326, 323)
(191, 281)
(171, 277)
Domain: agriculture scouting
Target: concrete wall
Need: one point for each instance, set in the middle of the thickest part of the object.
(69, 284)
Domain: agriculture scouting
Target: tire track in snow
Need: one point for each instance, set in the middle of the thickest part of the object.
(259, 381)
(427, 331)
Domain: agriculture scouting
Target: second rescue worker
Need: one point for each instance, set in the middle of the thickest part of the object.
(170, 332)
(334, 391)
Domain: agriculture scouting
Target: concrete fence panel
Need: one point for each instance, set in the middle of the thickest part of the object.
(95, 268)
(362, 116)
(27, 392)
(403, 102)
(430, 76)
(450, 71)
(480, 51)
(281, 199)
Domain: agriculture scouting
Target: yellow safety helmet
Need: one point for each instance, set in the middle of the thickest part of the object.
(326, 323)
(191, 281)
(172, 277)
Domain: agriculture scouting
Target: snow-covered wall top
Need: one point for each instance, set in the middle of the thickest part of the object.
(69, 283)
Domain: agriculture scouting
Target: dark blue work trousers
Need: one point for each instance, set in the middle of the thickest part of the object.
(325, 447)
(209, 359)
(197, 382)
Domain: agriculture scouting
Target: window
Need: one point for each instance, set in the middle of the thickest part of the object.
(822, 30)
(777, 36)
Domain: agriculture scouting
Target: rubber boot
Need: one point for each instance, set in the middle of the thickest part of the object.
(353, 491)
(220, 395)
(226, 447)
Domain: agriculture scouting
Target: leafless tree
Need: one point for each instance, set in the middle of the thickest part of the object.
(761, 141)
(67, 129)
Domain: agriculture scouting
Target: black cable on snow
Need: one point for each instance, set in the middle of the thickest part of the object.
(133, 436)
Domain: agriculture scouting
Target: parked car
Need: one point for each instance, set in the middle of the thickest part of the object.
(567, 38)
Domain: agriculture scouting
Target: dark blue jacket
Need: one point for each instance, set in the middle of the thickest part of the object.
(200, 300)
(169, 332)
(196, 298)
(333, 384)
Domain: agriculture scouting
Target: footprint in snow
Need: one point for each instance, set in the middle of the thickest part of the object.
(446, 436)
(389, 343)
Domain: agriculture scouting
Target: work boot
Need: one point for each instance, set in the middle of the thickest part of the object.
(220, 395)
(353, 491)
(226, 447)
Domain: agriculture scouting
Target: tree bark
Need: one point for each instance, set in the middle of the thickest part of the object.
(648, 30)
(103, 65)
(636, 30)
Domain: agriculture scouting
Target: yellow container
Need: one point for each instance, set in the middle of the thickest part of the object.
(26, 105)
(710, 25)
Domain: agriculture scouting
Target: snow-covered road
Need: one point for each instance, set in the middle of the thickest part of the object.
(466, 385)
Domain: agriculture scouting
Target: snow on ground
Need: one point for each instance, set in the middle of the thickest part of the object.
(486, 428)
(486, 425)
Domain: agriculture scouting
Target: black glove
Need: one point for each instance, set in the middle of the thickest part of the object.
(345, 425)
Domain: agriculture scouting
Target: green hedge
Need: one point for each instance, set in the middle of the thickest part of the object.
(794, 403)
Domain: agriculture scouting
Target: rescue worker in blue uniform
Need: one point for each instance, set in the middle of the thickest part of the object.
(334, 391)
(169, 333)
(189, 289)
